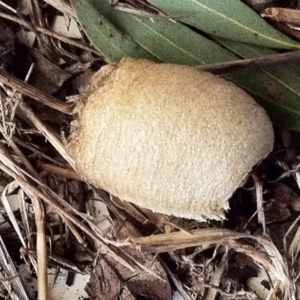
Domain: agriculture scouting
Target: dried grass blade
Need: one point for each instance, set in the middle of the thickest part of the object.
(271, 259)
(179, 240)
(8, 266)
(10, 213)
(30, 189)
(34, 93)
(212, 292)
(51, 137)
(11, 168)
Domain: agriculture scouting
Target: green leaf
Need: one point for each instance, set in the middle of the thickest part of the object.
(112, 43)
(280, 115)
(168, 41)
(281, 102)
(230, 19)
(276, 86)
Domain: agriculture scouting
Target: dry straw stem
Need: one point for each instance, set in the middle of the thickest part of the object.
(30, 189)
(7, 163)
(25, 111)
(271, 260)
(175, 281)
(35, 150)
(57, 259)
(67, 173)
(36, 202)
(62, 6)
(63, 208)
(64, 211)
(34, 93)
(168, 137)
(251, 63)
(280, 14)
(217, 276)
(51, 33)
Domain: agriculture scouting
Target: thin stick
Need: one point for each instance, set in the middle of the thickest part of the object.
(61, 172)
(259, 202)
(34, 93)
(218, 68)
(280, 14)
(175, 280)
(21, 156)
(62, 6)
(30, 189)
(51, 33)
(39, 215)
(58, 259)
(41, 249)
(36, 151)
(251, 63)
(40, 227)
(51, 137)
(216, 277)
(291, 153)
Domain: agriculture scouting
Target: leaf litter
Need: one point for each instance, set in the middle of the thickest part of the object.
(126, 251)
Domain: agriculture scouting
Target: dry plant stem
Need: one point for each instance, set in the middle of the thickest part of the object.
(58, 259)
(58, 202)
(10, 278)
(291, 153)
(130, 209)
(251, 63)
(287, 30)
(22, 157)
(212, 292)
(140, 7)
(29, 189)
(144, 267)
(8, 7)
(36, 151)
(67, 173)
(62, 52)
(201, 237)
(62, 6)
(8, 267)
(188, 232)
(74, 231)
(38, 20)
(280, 14)
(41, 238)
(51, 33)
(39, 215)
(55, 199)
(289, 253)
(259, 202)
(40, 226)
(25, 222)
(34, 93)
(178, 240)
(145, 12)
(15, 148)
(51, 137)
(175, 280)
(10, 189)
(293, 252)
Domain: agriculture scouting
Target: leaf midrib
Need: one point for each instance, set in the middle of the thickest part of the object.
(169, 41)
(240, 24)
